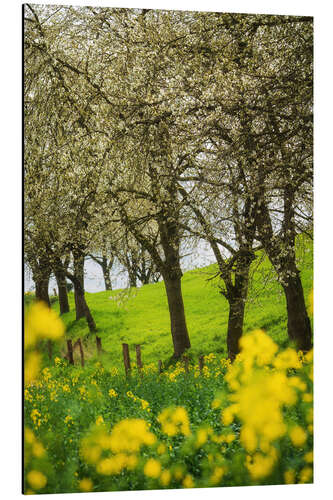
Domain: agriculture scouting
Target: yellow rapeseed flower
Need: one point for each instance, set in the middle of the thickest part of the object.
(161, 449)
(174, 420)
(260, 465)
(287, 359)
(36, 479)
(42, 322)
(112, 465)
(29, 436)
(202, 436)
(248, 438)
(68, 419)
(305, 476)
(32, 365)
(289, 476)
(86, 484)
(297, 435)
(188, 481)
(259, 347)
(38, 450)
(307, 398)
(165, 478)
(90, 453)
(216, 403)
(130, 434)
(152, 468)
(217, 475)
(99, 420)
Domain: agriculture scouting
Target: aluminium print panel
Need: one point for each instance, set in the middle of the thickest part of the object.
(168, 255)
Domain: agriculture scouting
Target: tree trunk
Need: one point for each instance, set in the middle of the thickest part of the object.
(132, 278)
(299, 327)
(62, 291)
(180, 337)
(42, 288)
(81, 307)
(235, 326)
(106, 274)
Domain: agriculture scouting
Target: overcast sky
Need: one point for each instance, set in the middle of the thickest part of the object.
(199, 256)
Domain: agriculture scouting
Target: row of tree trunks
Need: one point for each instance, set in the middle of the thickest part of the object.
(299, 327)
(41, 276)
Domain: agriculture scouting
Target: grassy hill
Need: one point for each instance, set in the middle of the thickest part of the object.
(140, 316)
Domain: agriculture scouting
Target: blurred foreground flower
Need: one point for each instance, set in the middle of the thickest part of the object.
(42, 323)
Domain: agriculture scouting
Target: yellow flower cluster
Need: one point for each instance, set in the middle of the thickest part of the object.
(36, 479)
(174, 421)
(42, 323)
(143, 402)
(32, 444)
(34, 452)
(260, 390)
(124, 442)
(152, 468)
(68, 420)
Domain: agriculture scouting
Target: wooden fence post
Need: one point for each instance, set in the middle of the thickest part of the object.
(159, 366)
(138, 356)
(99, 345)
(70, 352)
(201, 363)
(127, 361)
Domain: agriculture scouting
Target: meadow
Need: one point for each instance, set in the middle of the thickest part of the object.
(140, 315)
(93, 428)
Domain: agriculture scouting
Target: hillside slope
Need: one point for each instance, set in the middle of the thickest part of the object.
(140, 316)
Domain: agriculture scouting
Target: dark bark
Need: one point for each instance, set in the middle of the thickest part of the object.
(236, 295)
(60, 276)
(299, 326)
(42, 288)
(284, 263)
(81, 307)
(99, 345)
(235, 326)
(180, 337)
(132, 275)
(70, 356)
(41, 275)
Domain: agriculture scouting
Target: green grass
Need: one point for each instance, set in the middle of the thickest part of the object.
(141, 315)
